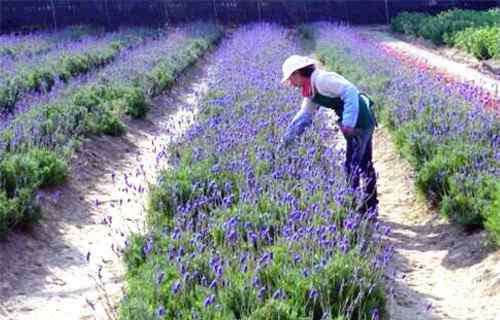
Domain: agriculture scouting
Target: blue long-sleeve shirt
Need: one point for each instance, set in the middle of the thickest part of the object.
(328, 84)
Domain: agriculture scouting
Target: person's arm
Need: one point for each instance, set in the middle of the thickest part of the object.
(350, 96)
(334, 85)
(302, 120)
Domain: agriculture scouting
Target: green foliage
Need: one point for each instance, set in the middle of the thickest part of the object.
(9, 94)
(493, 218)
(475, 31)
(72, 65)
(20, 175)
(43, 78)
(466, 200)
(35, 168)
(8, 214)
(137, 103)
(483, 43)
(446, 170)
(39, 80)
(176, 187)
(133, 254)
(408, 23)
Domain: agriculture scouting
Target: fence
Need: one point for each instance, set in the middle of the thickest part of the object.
(33, 14)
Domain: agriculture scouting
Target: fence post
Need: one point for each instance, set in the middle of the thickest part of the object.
(1, 20)
(306, 16)
(215, 11)
(259, 9)
(387, 11)
(167, 14)
(106, 8)
(54, 14)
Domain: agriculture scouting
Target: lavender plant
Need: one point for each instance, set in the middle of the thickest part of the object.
(82, 109)
(18, 47)
(240, 230)
(443, 128)
(62, 62)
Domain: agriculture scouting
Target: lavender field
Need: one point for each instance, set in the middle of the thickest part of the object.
(240, 229)
(41, 132)
(239, 226)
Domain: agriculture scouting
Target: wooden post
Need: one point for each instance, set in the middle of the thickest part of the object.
(259, 9)
(106, 8)
(215, 11)
(387, 18)
(167, 14)
(2, 28)
(306, 17)
(54, 14)
(346, 11)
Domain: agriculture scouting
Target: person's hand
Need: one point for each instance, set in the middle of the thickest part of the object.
(348, 131)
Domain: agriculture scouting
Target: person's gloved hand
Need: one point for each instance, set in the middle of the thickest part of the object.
(295, 129)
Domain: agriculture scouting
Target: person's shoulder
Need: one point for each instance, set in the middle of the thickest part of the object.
(324, 77)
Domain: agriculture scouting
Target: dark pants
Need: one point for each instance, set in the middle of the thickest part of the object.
(359, 164)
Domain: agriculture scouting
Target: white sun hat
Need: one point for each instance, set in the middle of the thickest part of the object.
(294, 63)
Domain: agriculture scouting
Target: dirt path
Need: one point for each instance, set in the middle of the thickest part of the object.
(51, 272)
(438, 271)
(462, 71)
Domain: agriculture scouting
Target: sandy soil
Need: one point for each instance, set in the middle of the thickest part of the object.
(52, 272)
(439, 271)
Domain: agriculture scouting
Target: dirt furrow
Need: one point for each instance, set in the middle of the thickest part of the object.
(439, 271)
(52, 271)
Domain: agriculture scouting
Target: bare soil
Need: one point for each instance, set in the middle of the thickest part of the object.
(439, 271)
(69, 265)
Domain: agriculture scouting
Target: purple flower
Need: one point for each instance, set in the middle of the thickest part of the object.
(209, 300)
(278, 294)
(313, 294)
(160, 277)
(176, 286)
(213, 284)
(148, 247)
(160, 312)
(261, 293)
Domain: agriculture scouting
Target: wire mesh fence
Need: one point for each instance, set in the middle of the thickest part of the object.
(34, 14)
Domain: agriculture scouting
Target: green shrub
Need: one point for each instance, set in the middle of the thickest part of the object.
(443, 27)
(483, 43)
(8, 214)
(92, 109)
(133, 254)
(26, 206)
(109, 124)
(408, 22)
(39, 79)
(493, 218)
(137, 104)
(9, 94)
(20, 210)
(20, 175)
(274, 310)
(468, 200)
(176, 188)
(35, 168)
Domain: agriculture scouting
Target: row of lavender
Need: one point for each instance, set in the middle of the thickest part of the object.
(239, 229)
(20, 75)
(442, 127)
(36, 145)
(18, 47)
